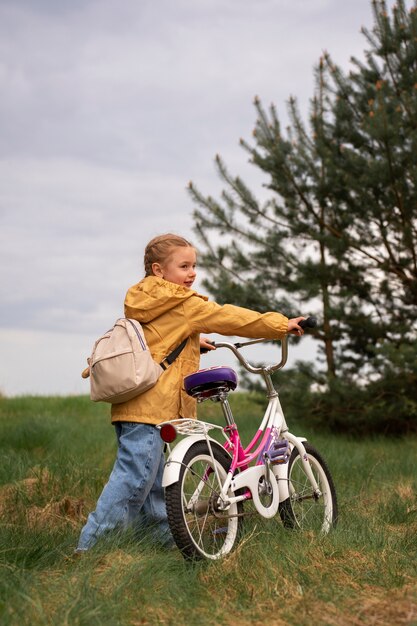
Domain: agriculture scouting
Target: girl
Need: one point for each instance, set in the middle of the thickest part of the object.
(171, 311)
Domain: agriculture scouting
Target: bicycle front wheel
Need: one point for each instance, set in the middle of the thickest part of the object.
(304, 509)
(201, 525)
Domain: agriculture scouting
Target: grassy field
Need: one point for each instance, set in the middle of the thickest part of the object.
(56, 454)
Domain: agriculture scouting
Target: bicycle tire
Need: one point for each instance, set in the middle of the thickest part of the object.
(200, 529)
(303, 510)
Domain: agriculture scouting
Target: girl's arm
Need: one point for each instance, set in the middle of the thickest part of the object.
(209, 317)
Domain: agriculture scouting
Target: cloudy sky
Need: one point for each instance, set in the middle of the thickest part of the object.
(108, 108)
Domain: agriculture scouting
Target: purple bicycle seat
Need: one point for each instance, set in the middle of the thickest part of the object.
(210, 382)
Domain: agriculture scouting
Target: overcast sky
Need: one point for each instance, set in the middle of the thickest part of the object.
(108, 108)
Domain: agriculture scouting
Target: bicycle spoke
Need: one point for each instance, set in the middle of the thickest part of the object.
(306, 509)
(202, 528)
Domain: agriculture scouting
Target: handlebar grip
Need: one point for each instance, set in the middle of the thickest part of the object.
(205, 350)
(309, 322)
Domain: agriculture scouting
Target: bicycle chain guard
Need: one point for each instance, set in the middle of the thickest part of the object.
(252, 478)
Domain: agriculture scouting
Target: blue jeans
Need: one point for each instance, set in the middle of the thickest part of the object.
(133, 496)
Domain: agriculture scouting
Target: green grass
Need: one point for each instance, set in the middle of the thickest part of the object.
(56, 454)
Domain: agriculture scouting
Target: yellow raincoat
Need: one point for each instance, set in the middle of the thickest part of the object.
(170, 313)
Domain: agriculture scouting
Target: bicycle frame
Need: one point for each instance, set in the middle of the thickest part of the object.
(249, 466)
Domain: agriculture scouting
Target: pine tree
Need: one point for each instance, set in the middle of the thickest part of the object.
(283, 254)
(375, 127)
(337, 236)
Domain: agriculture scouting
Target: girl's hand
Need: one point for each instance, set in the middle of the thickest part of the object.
(294, 328)
(206, 345)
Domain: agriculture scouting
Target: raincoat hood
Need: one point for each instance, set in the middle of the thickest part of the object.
(152, 297)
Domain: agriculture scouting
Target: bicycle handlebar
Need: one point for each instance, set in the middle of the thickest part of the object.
(309, 322)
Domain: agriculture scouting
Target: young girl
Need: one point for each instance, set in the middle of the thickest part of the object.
(170, 310)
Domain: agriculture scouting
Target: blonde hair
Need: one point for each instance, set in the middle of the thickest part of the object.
(160, 248)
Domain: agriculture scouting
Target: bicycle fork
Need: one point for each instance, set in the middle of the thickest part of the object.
(281, 471)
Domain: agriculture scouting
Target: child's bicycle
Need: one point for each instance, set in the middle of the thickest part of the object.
(207, 484)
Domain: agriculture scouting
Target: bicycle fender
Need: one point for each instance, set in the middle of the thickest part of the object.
(281, 474)
(173, 463)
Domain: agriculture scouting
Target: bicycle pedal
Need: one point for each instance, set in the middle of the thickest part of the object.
(220, 531)
(279, 453)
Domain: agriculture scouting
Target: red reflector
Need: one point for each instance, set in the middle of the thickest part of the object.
(168, 433)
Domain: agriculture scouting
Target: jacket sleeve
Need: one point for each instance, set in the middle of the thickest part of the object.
(210, 317)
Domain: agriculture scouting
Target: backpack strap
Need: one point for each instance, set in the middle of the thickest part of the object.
(174, 354)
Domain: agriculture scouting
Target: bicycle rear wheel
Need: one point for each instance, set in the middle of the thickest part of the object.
(201, 529)
(304, 509)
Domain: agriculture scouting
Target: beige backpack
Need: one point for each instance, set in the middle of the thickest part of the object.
(121, 366)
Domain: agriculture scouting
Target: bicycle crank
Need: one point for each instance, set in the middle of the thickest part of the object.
(210, 505)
